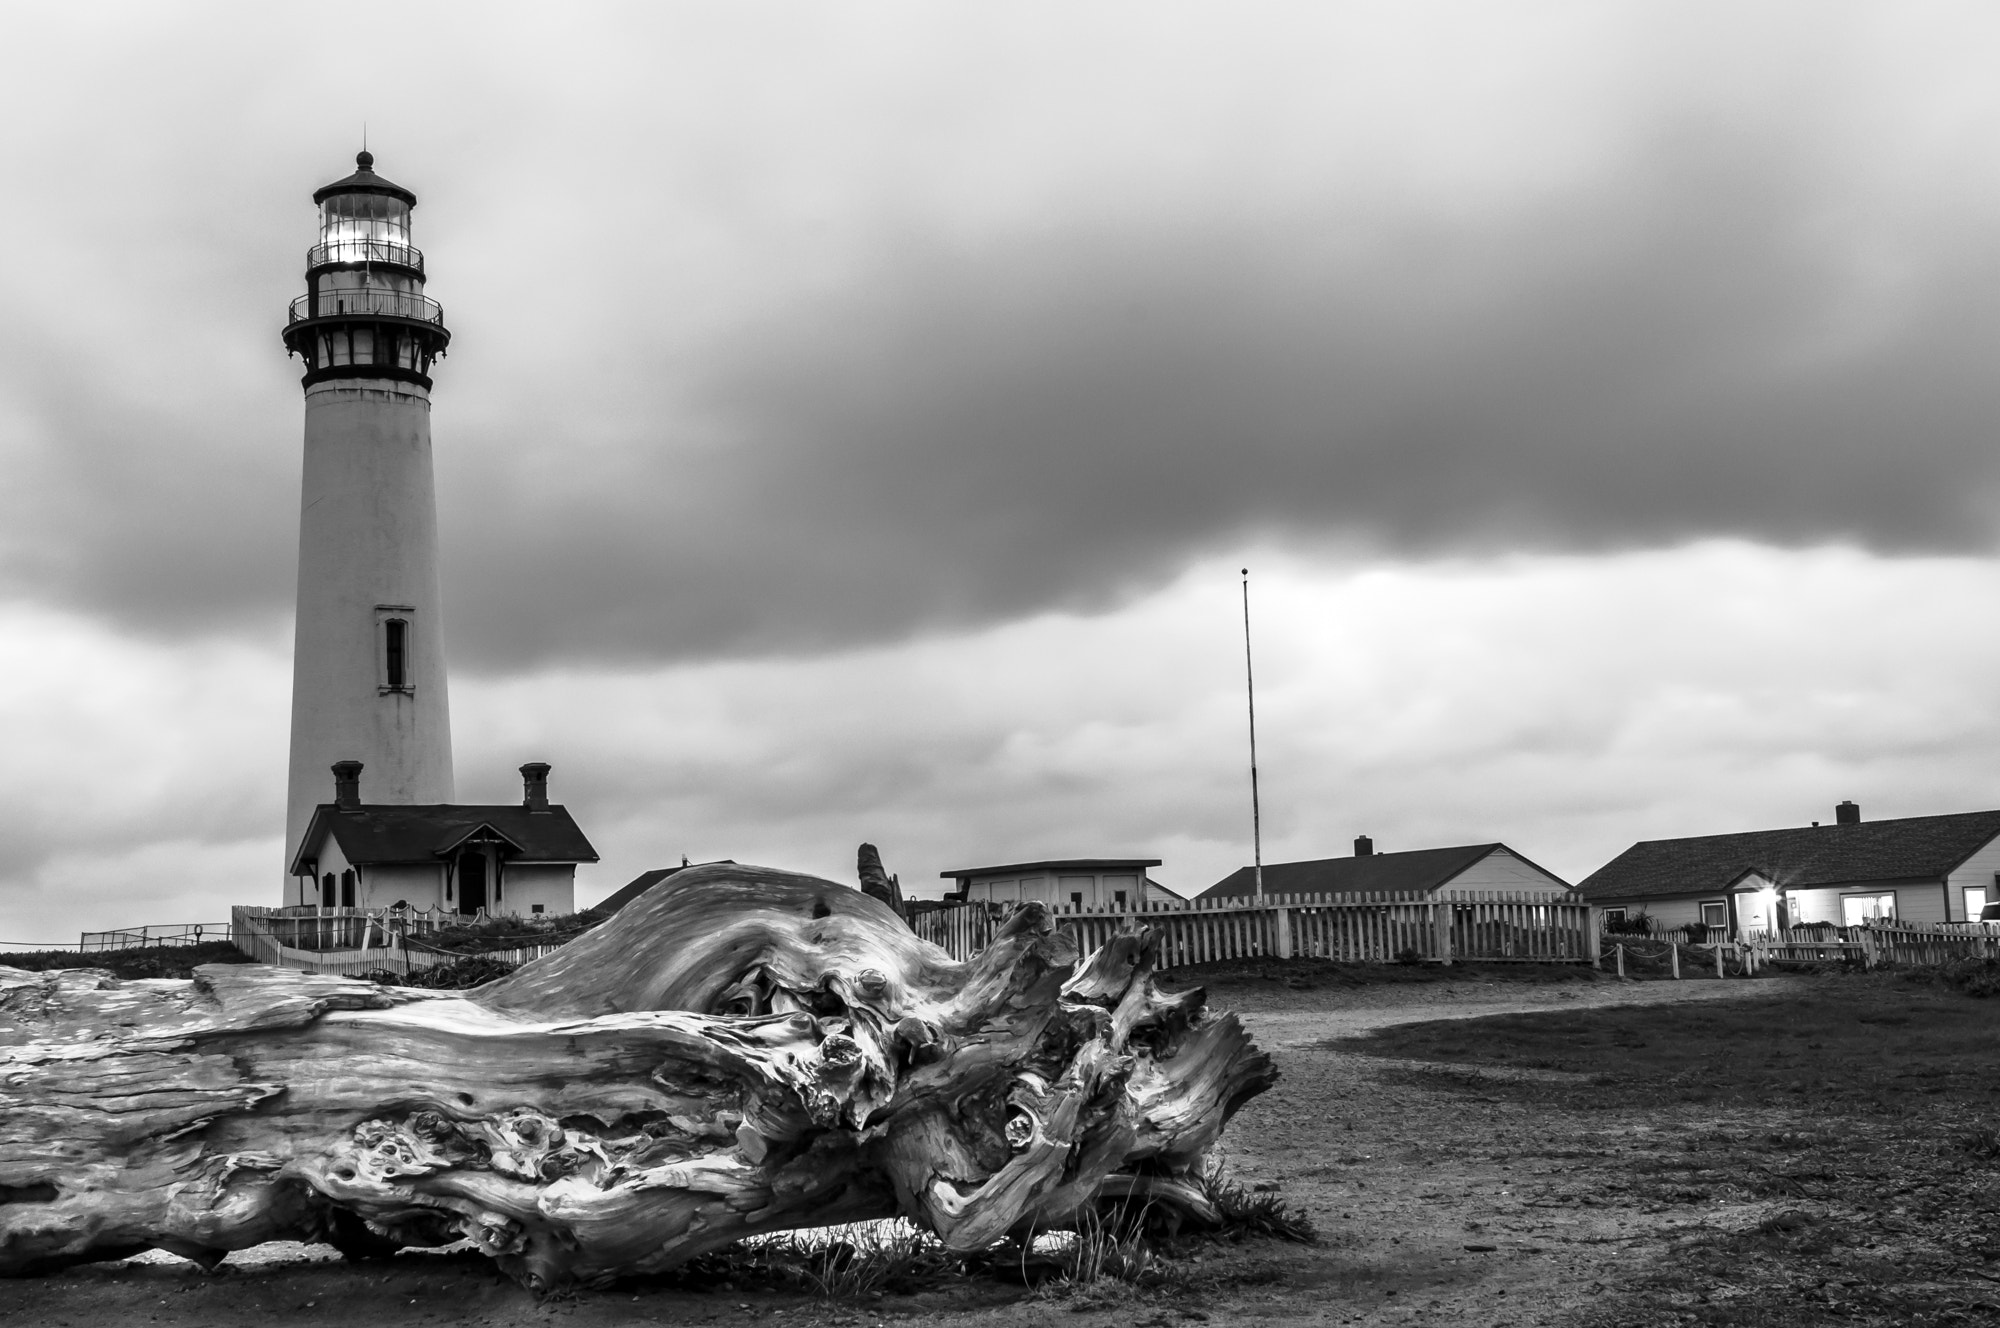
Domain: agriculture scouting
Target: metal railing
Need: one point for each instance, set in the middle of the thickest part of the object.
(371, 301)
(173, 933)
(366, 251)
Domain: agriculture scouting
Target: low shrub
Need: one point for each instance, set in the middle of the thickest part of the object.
(152, 961)
(1973, 977)
(484, 935)
(453, 975)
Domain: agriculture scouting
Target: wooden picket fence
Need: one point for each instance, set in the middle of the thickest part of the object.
(1350, 928)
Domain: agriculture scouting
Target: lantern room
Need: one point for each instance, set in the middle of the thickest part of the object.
(364, 313)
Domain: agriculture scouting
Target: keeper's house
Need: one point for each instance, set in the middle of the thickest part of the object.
(1916, 869)
(1467, 872)
(505, 859)
(1065, 883)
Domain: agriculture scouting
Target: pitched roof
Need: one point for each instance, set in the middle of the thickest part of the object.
(375, 833)
(1052, 864)
(1419, 870)
(645, 881)
(1910, 848)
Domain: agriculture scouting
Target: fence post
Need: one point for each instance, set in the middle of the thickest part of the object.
(1620, 948)
(1281, 923)
(1674, 951)
(1441, 928)
(1595, 938)
(1718, 959)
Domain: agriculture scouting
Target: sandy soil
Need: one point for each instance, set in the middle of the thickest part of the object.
(1433, 1208)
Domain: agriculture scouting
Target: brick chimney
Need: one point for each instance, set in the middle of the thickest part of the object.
(1847, 813)
(347, 784)
(1364, 847)
(535, 786)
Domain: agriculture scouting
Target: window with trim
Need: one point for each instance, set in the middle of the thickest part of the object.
(395, 648)
(1975, 901)
(1614, 916)
(1715, 912)
(1857, 909)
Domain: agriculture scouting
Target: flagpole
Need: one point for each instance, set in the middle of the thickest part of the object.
(1250, 690)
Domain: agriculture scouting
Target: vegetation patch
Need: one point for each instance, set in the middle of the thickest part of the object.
(452, 975)
(1873, 1046)
(1836, 1144)
(487, 935)
(151, 961)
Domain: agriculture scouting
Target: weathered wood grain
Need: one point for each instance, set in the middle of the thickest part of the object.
(746, 1051)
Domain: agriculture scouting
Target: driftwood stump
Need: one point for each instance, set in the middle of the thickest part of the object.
(744, 1051)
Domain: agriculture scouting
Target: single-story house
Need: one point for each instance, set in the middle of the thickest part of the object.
(1469, 871)
(1065, 883)
(1914, 868)
(506, 859)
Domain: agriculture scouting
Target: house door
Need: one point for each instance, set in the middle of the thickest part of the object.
(471, 881)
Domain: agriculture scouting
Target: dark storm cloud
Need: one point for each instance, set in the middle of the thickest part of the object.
(1703, 345)
(1011, 325)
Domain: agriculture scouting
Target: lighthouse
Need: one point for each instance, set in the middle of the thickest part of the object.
(368, 674)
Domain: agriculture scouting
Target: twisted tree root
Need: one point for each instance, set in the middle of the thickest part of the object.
(744, 1051)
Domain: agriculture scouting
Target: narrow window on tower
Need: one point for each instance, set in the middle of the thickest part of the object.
(395, 644)
(396, 641)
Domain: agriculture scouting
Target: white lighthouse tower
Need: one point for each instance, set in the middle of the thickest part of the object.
(368, 676)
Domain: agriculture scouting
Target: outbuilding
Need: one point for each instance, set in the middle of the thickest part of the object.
(1467, 871)
(1088, 883)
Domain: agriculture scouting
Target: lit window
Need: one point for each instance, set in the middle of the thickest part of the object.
(1715, 913)
(1975, 901)
(1857, 909)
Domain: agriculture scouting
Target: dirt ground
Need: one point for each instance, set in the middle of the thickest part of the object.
(1568, 1159)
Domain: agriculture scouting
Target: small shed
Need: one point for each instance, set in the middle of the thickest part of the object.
(1065, 883)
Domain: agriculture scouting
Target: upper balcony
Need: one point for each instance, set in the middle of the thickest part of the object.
(388, 252)
(369, 301)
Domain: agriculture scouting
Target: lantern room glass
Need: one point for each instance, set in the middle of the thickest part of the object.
(364, 218)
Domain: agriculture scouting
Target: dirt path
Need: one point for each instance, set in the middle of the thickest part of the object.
(1434, 1208)
(1372, 1008)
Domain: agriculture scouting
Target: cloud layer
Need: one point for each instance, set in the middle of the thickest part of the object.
(778, 333)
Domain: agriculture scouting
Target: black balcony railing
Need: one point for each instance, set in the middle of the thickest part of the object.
(366, 251)
(369, 301)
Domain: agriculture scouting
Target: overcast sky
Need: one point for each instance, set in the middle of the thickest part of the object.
(856, 416)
